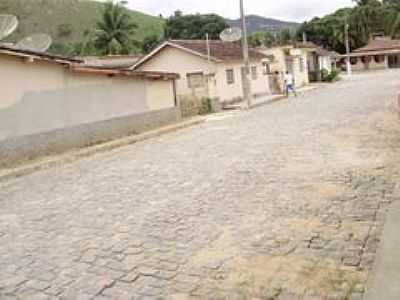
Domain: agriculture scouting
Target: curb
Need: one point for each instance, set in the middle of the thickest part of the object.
(271, 101)
(383, 283)
(283, 97)
(398, 102)
(72, 156)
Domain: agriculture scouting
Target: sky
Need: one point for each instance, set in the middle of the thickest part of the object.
(289, 10)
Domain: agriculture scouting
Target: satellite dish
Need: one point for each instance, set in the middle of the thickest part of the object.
(232, 34)
(8, 24)
(38, 42)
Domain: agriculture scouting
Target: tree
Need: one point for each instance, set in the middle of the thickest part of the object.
(114, 30)
(256, 39)
(150, 42)
(392, 18)
(269, 39)
(181, 26)
(285, 36)
(365, 19)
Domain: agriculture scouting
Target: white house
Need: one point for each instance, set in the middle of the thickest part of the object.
(380, 53)
(287, 58)
(212, 71)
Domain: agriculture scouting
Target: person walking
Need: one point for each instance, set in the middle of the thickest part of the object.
(289, 84)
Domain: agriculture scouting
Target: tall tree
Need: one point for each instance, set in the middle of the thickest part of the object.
(181, 26)
(367, 18)
(392, 18)
(114, 30)
(364, 19)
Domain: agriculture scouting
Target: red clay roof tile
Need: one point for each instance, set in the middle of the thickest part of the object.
(220, 50)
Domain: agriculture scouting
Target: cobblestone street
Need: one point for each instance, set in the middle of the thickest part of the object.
(286, 201)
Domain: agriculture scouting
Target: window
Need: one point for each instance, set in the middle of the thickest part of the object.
(230, 76)
(302, 64)
(266, 68)
(195, 80)
(254, 72)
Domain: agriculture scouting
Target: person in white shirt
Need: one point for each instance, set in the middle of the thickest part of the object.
(289, 84)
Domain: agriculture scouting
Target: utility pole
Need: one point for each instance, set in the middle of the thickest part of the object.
(245, 47)
(347, 42)
(208, 75)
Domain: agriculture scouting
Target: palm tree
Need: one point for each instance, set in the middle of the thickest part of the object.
(367, 18)
(114, 30)
(392, 18)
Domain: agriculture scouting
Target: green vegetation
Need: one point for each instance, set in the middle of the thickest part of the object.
(366, 18)
(150, 42)
(181, 26)
(268, 39)
(330, 76)
(70, 22)
(114, 31)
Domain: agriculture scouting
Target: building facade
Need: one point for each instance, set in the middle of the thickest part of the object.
(380, 53)
(287, 58)
(213, 71)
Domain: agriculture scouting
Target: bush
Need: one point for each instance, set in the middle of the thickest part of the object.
(64, 30)
(330, 77)
(206, 106)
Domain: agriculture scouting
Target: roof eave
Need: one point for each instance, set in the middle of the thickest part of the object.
(38, 55)
(124, 72)
(171, 44)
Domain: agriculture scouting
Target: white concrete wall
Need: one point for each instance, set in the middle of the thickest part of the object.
(159, 94)
(301, 74)
(325, 63)
(279, 64)
(41, 97)
(372, 65)
(228, 92)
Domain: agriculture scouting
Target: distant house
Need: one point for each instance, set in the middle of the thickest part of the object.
(319, 60)
(287, 58)
(380, 53)
(212, 72)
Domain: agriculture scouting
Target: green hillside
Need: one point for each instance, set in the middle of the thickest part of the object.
(67, 21)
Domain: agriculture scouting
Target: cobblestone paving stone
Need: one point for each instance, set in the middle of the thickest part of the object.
(286, 201)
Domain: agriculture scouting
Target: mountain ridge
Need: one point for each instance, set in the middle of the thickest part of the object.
(256, 23)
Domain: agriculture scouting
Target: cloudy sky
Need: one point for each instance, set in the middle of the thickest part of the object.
(291, 10)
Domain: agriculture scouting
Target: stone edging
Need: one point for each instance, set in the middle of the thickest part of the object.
(8, 174)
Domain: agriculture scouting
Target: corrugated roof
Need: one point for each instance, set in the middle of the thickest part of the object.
(77, 65)
(37, 55)
(224, 51)
(124, 72)
(111, 61)
(380, 45)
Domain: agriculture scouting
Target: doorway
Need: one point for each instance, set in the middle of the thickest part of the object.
(394, 61)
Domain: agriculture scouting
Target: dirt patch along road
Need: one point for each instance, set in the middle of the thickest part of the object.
(285, 201)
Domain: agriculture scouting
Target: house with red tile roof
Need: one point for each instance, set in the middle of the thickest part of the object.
(380, 53)
(212, 70)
